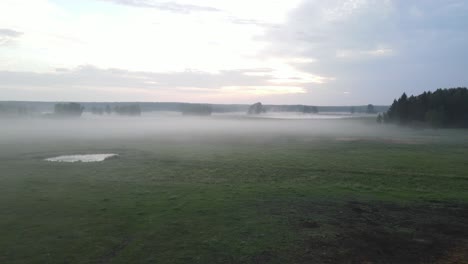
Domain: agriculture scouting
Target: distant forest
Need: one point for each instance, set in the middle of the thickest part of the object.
(197, 109)
(23, 108)
(442, 108)
(68, 109)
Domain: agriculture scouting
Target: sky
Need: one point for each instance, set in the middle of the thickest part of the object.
(314, 52)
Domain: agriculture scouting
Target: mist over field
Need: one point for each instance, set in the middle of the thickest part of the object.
(210, 189)
(232, 132)
(173, 126)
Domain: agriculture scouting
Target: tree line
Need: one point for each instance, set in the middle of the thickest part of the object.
(68, 109)
(76, 109)
(15, 110)
(442, 108)
(196, 109)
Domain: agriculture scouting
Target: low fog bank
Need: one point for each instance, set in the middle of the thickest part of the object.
(170, 126)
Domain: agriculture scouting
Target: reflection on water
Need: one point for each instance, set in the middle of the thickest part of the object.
(82, 158)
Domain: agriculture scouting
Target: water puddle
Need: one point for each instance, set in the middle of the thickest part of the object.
(82, 158)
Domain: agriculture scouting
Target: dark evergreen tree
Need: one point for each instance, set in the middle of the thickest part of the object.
(370, 109)
(256, 109)
(128, 110)
(68, 109)
(196, 109)
(442, 108)
(97, 110)
(307, 109)
(379, 119)
(108, 110)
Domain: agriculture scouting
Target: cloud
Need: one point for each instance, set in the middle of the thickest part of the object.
(10, 33)
(255, 22)
(92, 76)
(264, 90)
(373, 49)
(87, 75)
(166, 6)
(356, 54)
(377, 48)
(237, 83)
(7, 36)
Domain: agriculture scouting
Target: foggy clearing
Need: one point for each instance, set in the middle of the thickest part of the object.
(237, 132)
(185, 128)
(276, 185)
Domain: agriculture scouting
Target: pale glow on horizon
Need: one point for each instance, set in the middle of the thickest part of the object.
(134, 39)
(262, 90)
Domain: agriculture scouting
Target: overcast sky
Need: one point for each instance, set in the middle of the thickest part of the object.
(334, 52)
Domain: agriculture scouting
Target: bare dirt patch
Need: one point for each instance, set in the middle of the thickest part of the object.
(378, 232)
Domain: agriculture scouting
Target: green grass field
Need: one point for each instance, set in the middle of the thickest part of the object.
(281, 198)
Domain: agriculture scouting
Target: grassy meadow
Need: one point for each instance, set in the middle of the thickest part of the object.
(218, 190)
